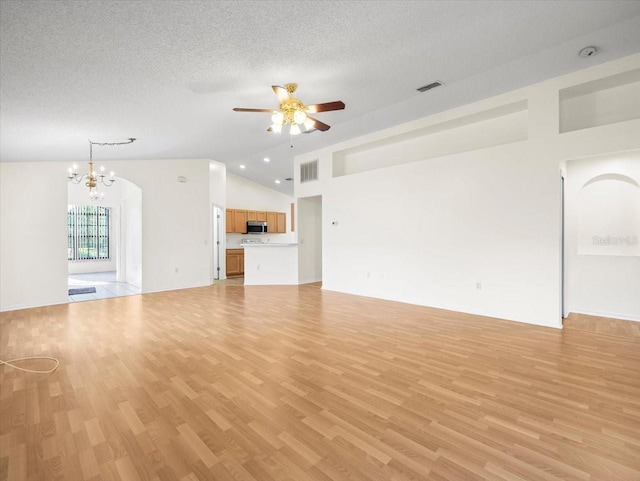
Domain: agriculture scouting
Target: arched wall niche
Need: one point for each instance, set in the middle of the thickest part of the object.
(608, 208)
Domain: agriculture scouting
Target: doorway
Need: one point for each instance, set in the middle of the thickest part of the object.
(601, 232)
(310, 239)
(104, 245)
(218, 230)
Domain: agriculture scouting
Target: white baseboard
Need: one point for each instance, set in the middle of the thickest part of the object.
(19, 307)
(310, 281)
(606, 314)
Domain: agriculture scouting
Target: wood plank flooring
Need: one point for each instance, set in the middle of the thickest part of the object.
(602, 325)
(295, 383)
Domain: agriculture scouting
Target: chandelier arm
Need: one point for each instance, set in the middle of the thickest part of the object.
(108, 182)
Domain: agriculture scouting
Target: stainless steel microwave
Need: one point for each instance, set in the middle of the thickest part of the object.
(254, 227)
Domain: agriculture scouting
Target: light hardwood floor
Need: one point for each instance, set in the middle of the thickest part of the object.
(295, 383)
(602, 325)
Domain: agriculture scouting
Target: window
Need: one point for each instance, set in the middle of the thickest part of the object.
(87, 232)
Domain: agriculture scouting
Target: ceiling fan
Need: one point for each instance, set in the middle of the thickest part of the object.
(292, 111)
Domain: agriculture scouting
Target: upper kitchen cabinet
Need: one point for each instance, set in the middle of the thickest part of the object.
(272, 222)
(236, 221)
(281, 223)
(257, 215)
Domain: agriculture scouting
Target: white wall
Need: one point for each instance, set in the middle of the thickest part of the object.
(33, 234)
(602, 200)
(176, 219)
(218, 183)
(175, 216)
(432, 231)
(245, 194)
(130, 252)
(310, 239)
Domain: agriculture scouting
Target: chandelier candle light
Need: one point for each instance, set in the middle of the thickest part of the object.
(92, 179)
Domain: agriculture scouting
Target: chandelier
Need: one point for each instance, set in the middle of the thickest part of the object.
(92, 179)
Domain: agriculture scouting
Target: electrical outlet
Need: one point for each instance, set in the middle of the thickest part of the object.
(479, 285)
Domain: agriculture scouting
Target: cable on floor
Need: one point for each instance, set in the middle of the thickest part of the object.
(11, 361)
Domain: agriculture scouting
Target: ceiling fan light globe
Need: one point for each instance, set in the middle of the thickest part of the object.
(277, 118)
(299, 117)
(277, 128)
(295, 130)
(309, 124)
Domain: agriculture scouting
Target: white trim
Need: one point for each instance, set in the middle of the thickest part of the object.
(19, 307)
(310, 281)
(606, 314)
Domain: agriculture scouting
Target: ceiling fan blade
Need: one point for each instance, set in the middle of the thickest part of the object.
(238, 109)
(325, 107)
(281, 92)
(319, 125)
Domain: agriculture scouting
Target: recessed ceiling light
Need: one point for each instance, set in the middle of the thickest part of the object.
(266, 159)
(242, 167)
(277, 181)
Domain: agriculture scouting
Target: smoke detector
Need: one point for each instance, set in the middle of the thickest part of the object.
(588, 52)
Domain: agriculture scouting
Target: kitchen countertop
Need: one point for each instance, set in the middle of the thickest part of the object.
(271, 244)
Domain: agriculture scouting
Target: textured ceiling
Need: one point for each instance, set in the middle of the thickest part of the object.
(170, 72)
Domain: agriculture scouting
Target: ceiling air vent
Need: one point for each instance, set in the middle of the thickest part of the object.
(429, 87)
(309, 171)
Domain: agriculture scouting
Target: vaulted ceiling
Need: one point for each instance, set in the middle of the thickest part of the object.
(170, 72)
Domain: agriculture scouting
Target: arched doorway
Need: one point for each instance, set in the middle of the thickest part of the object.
(602, 236)
(104, 251)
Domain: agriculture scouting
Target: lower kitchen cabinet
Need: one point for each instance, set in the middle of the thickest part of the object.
(235, 262)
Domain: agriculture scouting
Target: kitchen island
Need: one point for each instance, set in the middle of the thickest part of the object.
(270, 264)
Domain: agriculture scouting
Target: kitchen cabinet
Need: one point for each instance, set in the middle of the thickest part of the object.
(235, 262)
(257, 215)
(240, 222)
(281, 223)
(229, 222)
(236, 221)
(272, 222)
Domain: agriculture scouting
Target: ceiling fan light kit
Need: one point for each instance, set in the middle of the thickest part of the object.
(294, 113)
